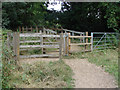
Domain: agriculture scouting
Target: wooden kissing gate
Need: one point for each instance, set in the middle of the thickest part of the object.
(61, 42)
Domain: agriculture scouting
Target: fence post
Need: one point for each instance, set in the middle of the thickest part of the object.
(86, 46)
(41, 43)
(16, 45)
(65, 43)
(69, 41)
(36, 29)
(91, 41)
(60, 46)
(20, 29)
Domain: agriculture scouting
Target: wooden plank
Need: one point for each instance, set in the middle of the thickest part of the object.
(51, 50)
(80, 43)
(25, 49)
(64, 39)
(51, 42)
(41, 38)
(30, 41)
(20, 29)
(80, 36)
(69, 42)
(72, 31)
(37, 46)
(37, 35)
(60, 45)
(16, 45)
(86, 41)
(51, 31)
(40, 56)
(67, 45)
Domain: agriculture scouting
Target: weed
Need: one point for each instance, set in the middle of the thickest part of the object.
(107, 59)
(43, 74)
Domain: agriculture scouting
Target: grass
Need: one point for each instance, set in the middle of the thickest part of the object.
(107, 59)
(38, 75)
(43, 75)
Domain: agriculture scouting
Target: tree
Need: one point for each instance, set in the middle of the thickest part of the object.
(23, 14)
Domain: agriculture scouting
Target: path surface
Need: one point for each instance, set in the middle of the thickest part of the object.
(88, 75)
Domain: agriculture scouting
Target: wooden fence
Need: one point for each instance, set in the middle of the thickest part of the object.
(61, 43)
(19, 43)
(36, 30)
(67, 41)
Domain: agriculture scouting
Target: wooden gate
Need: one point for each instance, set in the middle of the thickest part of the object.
(36, 41)
(83, 43)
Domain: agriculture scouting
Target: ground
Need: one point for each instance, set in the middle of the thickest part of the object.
(86, 75)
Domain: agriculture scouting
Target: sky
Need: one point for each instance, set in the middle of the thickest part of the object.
(54, 4)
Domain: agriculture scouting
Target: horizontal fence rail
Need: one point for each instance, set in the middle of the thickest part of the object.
(59, 43)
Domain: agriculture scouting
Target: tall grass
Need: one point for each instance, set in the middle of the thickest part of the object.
(8, 63)
(107, 59)
(43, 75)
(37, 75)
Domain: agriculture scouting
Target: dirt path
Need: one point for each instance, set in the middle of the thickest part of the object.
(88, 75)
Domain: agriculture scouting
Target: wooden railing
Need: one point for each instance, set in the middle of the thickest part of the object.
(20, 45)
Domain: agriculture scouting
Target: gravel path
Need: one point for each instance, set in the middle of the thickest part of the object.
(88, 75)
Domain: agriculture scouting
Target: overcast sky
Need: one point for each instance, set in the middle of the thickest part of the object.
(54, 4)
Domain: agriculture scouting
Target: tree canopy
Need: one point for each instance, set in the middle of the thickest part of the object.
(80, 16)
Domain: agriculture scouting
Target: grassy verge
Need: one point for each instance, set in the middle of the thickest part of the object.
(107, 59)
(43, 75)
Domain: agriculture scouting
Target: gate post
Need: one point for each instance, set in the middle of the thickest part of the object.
(16, 45)
(86, 46)
(60, 46)
(91, 41)
(69, 43)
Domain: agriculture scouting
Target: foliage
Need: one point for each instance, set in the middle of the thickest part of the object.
(23, 14)
(43, 75)
(106, 59)
(102, 16)
(8, 65)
